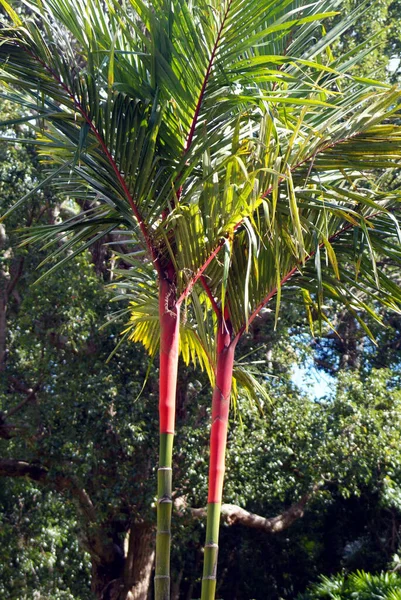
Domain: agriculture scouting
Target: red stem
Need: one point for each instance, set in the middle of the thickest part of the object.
(220, 410)
(222, 391)
(208, 291)
(266, 300)
(202, 269)
(169, 314)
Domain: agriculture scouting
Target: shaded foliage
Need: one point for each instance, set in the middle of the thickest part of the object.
(361, 585)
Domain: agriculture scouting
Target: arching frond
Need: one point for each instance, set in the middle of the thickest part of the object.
(152, 109)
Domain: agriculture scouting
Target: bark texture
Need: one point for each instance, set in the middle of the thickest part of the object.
(127, 575)
(233, 514)
(10, 273)
(139, 561)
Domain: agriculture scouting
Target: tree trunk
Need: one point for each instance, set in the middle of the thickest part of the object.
(107, 579)
(175, 587)
(4, 283)
(139, 561)
(350, 342)
(126, 577)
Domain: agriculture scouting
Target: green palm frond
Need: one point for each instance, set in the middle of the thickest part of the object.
(138, 102)
(361, 585)
(313, 198)
(218, 133)
(305, 175)
(339, 263)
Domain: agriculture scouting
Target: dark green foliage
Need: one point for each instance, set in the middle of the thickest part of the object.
(84, 423)
(40, 552)
(64, 410)
(350, 446)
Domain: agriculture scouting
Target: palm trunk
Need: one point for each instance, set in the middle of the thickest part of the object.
(218, 443)
(169, 350)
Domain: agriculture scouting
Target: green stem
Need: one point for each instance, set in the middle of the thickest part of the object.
(164, 508)
(211, 551)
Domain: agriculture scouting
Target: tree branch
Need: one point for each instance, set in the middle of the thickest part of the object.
(11, 430)
(98, 545)
(37, 472)
(21, 468)
(31, 395)
(233, 514)
(16, 271)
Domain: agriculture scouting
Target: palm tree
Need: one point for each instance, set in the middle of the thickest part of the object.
(320, 220)
(319, 223)
(220, 137)
(323, 223)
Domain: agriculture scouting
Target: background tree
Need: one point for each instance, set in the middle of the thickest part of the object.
(56, 387)
(41, 554)
(380, 23)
